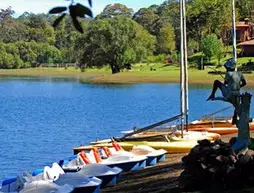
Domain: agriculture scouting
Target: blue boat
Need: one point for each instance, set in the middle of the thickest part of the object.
(108, 175)
(153, 156)
(125, 162)
(19, 184)
(80, 182)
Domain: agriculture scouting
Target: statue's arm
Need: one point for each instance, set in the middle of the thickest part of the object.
(243, 81)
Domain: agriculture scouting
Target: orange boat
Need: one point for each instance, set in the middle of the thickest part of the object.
(221, 127)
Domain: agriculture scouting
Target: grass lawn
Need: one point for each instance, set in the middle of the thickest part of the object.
(140, 73)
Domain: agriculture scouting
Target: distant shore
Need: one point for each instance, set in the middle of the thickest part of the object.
(130, 77)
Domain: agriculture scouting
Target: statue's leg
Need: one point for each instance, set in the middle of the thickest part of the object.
(217, 84)
(236, 104)
(234, 118)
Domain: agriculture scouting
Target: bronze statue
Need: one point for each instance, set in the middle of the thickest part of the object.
(230, 90)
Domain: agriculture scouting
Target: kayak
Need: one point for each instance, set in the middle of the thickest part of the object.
(222, 127)
(194, 135)
(219, 130)
(170, 147)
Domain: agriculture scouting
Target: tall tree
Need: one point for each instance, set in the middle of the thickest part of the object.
(147, 18)
(39, 29)
(169, 14)
(206, 17)
(10, 29)
(115, 42)
(244, 8)
(114, 10)
(166, 40)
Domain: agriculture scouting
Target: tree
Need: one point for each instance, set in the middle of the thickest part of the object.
(6, 16)
(169, 14)
(39, 29)
(244, 8)
(115, 42)
(212, 46)
(9, 57)
(147, 18)
(114, 10)
(66, 36)
(206, 17)
(166, 40)
(219, 51)
(10, 29)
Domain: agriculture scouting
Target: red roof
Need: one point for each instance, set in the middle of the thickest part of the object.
(242, 24)
(247, 43)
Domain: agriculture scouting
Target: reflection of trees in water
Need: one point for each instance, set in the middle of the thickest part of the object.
(40, 78)
(107, 85)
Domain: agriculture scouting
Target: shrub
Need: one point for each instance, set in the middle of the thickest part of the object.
(156, 59)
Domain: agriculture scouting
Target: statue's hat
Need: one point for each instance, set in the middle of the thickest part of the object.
(230, 64)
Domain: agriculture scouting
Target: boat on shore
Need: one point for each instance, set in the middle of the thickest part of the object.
(170, 147)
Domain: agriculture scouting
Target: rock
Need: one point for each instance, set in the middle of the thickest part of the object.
(209, 164)
(250, 153)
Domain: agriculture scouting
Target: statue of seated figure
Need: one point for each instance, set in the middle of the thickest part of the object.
(230, 90)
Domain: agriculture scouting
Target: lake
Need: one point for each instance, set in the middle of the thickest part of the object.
(42, 119)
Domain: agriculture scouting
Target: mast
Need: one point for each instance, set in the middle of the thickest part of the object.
(234, 31)
(182, 93)
(186, 88)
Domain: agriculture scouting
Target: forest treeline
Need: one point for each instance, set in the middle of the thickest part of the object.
(117, 36)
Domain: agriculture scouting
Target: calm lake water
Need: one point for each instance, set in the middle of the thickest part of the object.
(42, 119)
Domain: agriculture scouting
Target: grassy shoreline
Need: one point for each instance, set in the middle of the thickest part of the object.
(171, 75)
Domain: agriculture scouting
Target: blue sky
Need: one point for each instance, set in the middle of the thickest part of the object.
(42, 6)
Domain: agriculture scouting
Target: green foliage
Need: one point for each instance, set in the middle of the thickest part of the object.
(166, 40)
(117, 36)
(114, 10)
(208, 16)
(9, 57)
(192, 46)
(147, 18)
(156, 59)
(212, 46)
(116, 41)
(244, 8)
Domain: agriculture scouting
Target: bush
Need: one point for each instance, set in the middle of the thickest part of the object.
(156, 59)
(212, 46)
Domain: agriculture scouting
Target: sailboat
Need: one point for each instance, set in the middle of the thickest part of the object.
(170, 140)
(184, 135)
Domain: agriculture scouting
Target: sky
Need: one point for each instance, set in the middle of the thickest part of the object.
(42, 6)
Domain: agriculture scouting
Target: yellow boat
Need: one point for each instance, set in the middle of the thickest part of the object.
(194, 135)
(164, 137)
(170, 147)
